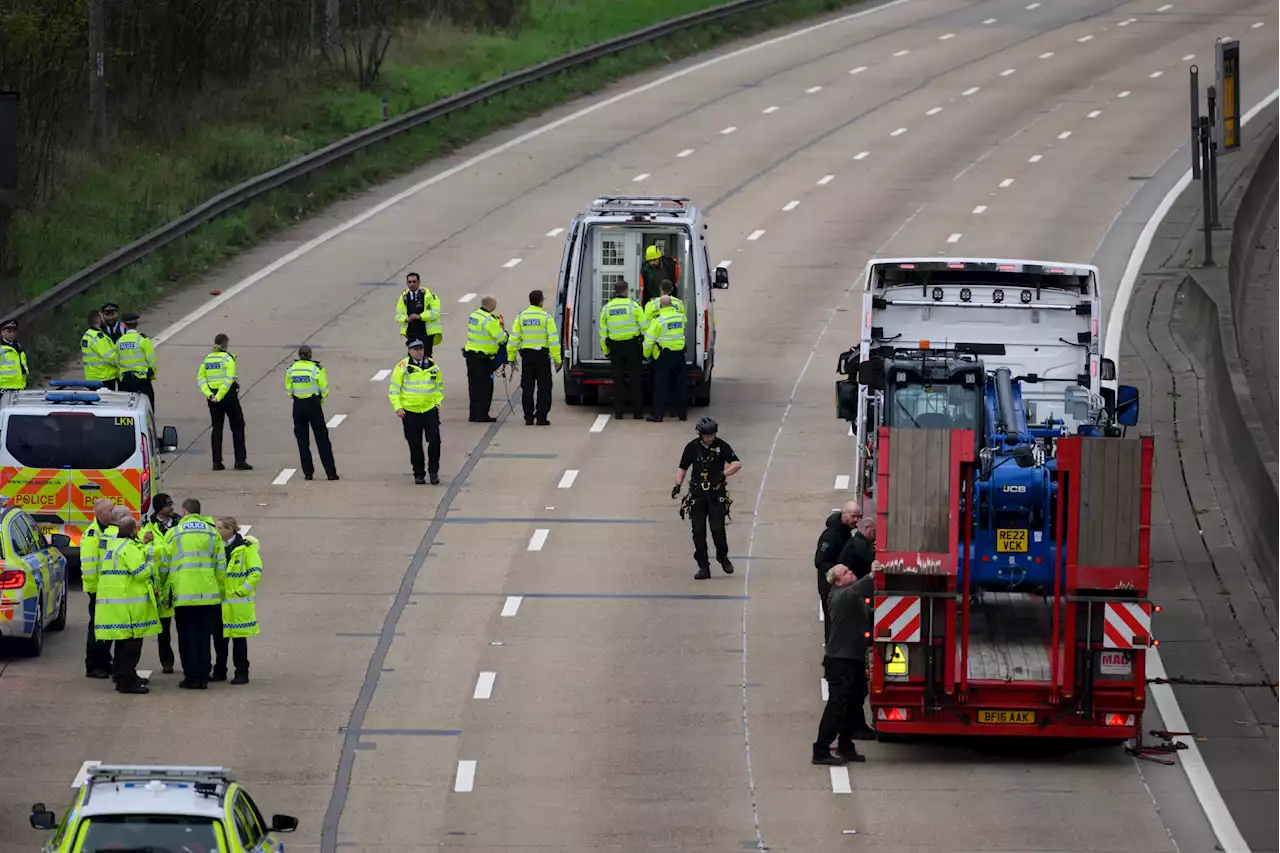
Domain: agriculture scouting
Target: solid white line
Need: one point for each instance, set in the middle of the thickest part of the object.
(954, 238)
(902, 53)
(640, 177)
(335, 420)
(1094, 114)
(466, 779)
(933, 111)
(538, 539)
(1064, 134)
(822, 687)
(791, 205)
(1165, 8)
(82, 775)
(1007, 182)
(899, 131)
(769, 109)
(972, 90)
(466, 297)
(685, 153)
(512, 605)
(756, 235)
(858, 70)
(1046, 55)
(566, 480)
(840, 781)
(946, 36)
(1154, 74)
(989, 21)
(1124, 94)
(1035, 158)
(1084, 39)
(982, 208)
(842, 482)
(813, 89)
(380, 375)
(283, 476)
(1007, 72)
(555, 232)
(728, 130)
(862, 155)
(826, 179)
(600, 423)
(512, 263)
(484, 685)
(471, 162)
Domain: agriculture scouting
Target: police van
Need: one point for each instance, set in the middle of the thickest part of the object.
(62, 450)
(606, 243)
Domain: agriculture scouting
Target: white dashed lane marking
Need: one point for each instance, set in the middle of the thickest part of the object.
(842, 482)
(685, 153)
(813, 89)
(1007, 72)
(1094, 114)
(1065, 134)
(1257, 25)
(1006, 183)
(946, 36)
(244, 529)
(640, 177)
(566, 481)
(826, 179)
(335, 421)
(858, 70)
(466, 297)
(600, 423)
(1154, 74)
(1188, 57)
(982, 208)
(756, 235)
(1126, 93)
(1046, 55)
(484, 685)
(934, 111)
(466, 779)
(512, 263)
(822, 686)
(555, 232)
(861, 155)
(1165, 8)
(1084, 39)
(840, 781)
(768, 110)
(954, 238)
(380, 375)
(725, 264)
(1033, 6)
(791, 205)
(728, 130)
(989, 21)
(538, 539)
(283, 476)
(512, 605)
(144, 673)
(972, 90)
(899, 131)
(902, 53)
(1035, 158)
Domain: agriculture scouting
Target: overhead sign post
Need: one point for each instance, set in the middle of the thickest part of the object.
(1228, 90)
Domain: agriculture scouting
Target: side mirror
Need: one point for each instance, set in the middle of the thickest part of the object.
(1108, 370)
(60, 540)
(42, 818)
(846, 400)
(721, 281)
(168, 439)
(1127, 405)
(283, 823)
(871, 374)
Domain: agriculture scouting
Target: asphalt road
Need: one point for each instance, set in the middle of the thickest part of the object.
(631, 707)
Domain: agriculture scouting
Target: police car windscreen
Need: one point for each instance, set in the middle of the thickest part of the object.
(75, 441)
(161, 833)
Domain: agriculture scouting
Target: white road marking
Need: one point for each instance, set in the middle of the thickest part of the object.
(899, 131)
(933, 111)
(728, 130)
(1188, 57)
(1154, 74)
(840, 781)
(144, 673)
(1257, 25)
(555, 232)
(822, 687)
(244, 529)
(812, 89)
(538, 539)
(566, 480)
(946, 36)
(1094, 114)
(640, 177)
(512, 263)
(858, 70)
(466, 297)
(466, 780)
(82, 775)
(842, 482)
(471, 162)
(1035, 158)
(1165, 8)
(954, 238)
(791, 205)
(1006, 183)
(902, 53)
(1084, 39)
(1007, 72)
(1126, 23)
(512, 605)
(685, 153)
(600, 423)
(862, 155)
(283, 476)
(989, 21)
(484, 685)
(1202, 783)
(826, 179)
(770, 109)
(380, 375)
(756, 235)
(335, 420)
(822, 617)
(972, 90)
(982, 208)
(1046, 54)
(850, 429)
(725, 264)
(1065, 134)
(1033, 6)
(1126, 93)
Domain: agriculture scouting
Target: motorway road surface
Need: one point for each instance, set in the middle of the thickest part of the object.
(633, 708)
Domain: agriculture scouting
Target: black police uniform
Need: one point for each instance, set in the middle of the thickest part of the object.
(114, 330)
(415, 302)
(707, 501)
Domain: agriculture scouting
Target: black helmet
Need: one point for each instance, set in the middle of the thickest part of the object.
(707, 426)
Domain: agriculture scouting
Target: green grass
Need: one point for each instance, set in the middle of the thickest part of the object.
(132, 191)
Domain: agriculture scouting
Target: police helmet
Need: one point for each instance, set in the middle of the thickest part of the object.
(707, 426)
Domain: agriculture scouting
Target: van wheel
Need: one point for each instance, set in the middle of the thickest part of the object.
(32, 646)
(702, 395)
(60, 623)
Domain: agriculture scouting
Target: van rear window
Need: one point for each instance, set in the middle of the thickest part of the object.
(77, 442)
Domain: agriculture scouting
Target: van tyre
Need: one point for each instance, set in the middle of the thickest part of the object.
(31, 647)
(702, 395)
(60, 623)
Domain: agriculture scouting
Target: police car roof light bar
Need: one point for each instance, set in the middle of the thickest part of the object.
(91, 384)
(113, 772)
(68, 397)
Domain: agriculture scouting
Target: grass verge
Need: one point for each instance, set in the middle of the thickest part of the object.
(145, 187)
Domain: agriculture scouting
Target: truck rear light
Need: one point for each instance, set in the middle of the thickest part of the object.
(892, 715)
(1117, 719)
(12, 578)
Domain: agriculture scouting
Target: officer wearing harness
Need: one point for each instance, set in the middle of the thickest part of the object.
(709, 461)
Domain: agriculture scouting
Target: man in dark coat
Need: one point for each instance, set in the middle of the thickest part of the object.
(860, 551)
(846, 669)
(835, 536)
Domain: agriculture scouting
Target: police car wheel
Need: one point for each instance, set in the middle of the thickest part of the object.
(60, 622)
(32, 646)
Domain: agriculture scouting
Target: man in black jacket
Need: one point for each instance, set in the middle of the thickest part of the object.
(860, 551)
(830, 545)
(845, 667)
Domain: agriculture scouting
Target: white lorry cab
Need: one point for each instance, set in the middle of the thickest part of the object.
(606, 243)
(925, 321)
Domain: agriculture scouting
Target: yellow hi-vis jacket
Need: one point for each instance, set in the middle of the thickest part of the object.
(484, 333)
(13, 367)
(136, 354)
(621, 319)
(99, 356)
(665, 332)
(217, 374)
(306, 379)
(416, 389)
(534, 329)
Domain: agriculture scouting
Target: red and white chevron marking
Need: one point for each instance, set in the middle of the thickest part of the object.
(1126, 625)
(898, 618)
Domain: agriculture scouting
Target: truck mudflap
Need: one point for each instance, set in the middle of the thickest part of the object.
(1066, 661)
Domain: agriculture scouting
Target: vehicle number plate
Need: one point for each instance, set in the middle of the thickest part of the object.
(1115, 663)
(1007, 718)
(1011, 540)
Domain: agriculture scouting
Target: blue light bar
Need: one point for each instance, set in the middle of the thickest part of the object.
(91, 384)
(66, 397)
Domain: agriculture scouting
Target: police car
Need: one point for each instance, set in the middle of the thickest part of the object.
(33, 580)
(161, 809)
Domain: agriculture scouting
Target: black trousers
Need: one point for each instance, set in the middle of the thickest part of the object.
(824, 589)
(668, 384)
(130, 382)
(417, 426)
(626, 358)
(198, 624)
(846, 691)
(239, 653)
(165, 641)
(535, 369)
(479, 383)
(125, 666)
(308, 417)
(708, 510)
(97, 653)
(228, 410)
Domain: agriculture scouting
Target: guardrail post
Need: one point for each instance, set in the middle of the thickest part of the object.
(386, 110)
(1195, 122)
(1206, 193)
(1212, 166)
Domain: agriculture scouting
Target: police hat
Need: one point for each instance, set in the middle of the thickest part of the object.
(130, 318)
(110, 308)
(12, 324)
(415, 343)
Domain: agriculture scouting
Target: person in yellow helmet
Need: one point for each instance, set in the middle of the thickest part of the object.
(656, 269)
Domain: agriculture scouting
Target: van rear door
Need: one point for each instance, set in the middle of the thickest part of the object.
(565, 294)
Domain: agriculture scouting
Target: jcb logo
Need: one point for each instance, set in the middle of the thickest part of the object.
(1017, 490)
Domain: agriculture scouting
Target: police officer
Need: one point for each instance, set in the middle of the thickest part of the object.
(239, 612)
(664, 289)
(534, 336)
(654, 270)
(306, 384)
(136, 360)
(112, 327)
(93, 544)
(13, 359)
(126, 611)
(98, 352)
(218, 385)
(157, 538)
(485, 336)
(196, 580)
(710, 461)
(621, 332)
(418, 313)
(416, 391)
(664, 347)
